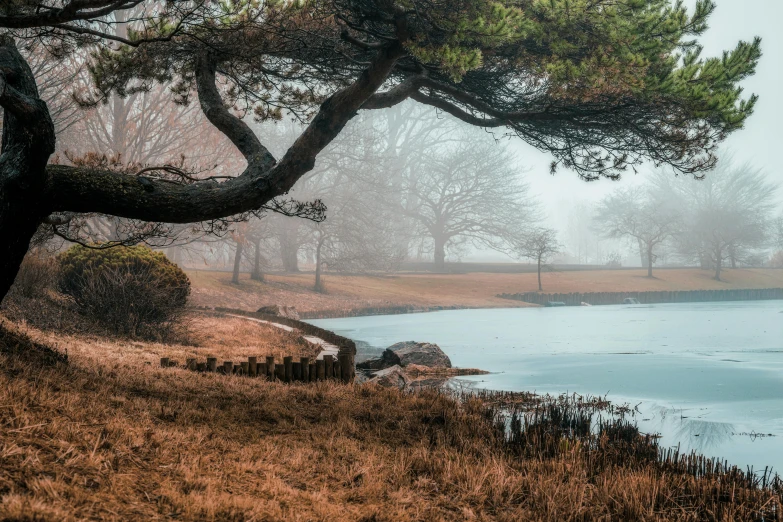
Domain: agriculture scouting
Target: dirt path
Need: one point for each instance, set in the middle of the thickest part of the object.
(326, 348)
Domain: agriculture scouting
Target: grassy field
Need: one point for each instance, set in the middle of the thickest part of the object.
(474, 290)
(107, 435)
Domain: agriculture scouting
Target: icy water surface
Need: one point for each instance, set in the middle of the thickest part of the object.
(706, 376)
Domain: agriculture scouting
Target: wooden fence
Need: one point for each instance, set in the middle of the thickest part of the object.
(303, 370)
(683, 296)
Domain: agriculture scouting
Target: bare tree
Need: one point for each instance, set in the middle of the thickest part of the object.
(540, 244)
(728, 213)
(638, 214)
(470, 191)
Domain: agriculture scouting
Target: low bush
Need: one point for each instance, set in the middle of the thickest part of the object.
(132, 291)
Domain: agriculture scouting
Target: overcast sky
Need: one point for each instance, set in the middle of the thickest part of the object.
(759, 142)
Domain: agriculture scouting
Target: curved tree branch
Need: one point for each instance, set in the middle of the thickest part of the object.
(71, 11)
(79, 189)
(215, 110)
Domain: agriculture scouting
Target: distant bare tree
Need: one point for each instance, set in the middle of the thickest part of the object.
(638, 214)
(471, 191)
(540, 244)
(728, 213)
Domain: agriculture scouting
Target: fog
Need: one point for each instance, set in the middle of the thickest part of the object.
(757, 143)
(376, 178)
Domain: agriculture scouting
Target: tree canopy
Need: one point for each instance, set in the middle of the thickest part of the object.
(601, 85)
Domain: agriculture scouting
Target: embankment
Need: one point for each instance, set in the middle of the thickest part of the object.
(686, 296)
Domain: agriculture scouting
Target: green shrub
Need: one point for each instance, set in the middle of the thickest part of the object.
(131, 290)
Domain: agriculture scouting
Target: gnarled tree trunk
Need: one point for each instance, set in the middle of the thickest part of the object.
(28, 141)
(237, 262)
(440, 254)
(257, 274)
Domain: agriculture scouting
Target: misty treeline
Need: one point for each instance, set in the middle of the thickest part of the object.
(600, 86)
(730, 218)
(398, 185)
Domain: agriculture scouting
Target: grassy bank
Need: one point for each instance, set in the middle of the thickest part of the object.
(106, 436)
(473, 290)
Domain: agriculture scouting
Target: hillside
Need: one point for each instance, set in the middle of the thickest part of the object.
(473, 290)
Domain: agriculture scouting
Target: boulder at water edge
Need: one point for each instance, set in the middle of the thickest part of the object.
(409, 352)
(422, 354)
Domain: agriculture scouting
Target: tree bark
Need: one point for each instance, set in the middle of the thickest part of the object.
(289, 251)
(440, 254)
(28, 141)
(319, 287)
(718, 263)
(257, 274)
(237, 262)
(649, 260)
(539, 274)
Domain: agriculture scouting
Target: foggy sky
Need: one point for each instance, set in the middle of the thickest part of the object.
(759, 142)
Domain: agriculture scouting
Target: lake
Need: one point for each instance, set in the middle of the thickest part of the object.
(706, 376)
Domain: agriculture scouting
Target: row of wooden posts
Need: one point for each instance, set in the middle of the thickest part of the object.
(303, 370)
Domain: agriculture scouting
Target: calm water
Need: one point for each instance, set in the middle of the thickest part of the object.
(706, 376)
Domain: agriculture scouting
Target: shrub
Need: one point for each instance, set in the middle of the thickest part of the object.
(130, 290)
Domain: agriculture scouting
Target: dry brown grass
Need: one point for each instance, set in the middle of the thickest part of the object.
(475, 290)
(107, 437)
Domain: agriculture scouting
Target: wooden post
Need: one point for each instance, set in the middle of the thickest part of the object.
(244, 368)
(164, 362)
(338, 372)
(270, 368)
(190, 363)
(228, 367)
(252, 366)
(328, 366)
(305, 369)
(211, 364)
(320, 370)
(312, 372)
(297, 368)
(346, 367)
(288, 364)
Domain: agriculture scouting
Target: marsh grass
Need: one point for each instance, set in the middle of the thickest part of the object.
(102, 435)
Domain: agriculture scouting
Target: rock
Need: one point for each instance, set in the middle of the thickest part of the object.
(392, 377)
(289, 312)
(386, 360)
(422, 354)
(408, 352)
